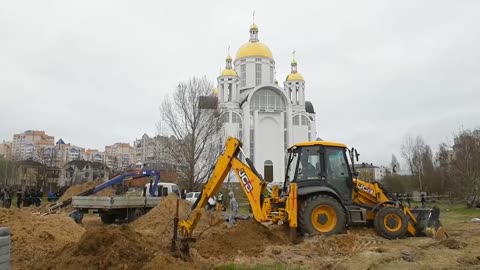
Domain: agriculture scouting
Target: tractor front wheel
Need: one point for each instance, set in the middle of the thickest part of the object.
(321, 214)
(391, 223)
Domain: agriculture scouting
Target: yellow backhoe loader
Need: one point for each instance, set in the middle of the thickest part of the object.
(321, 195)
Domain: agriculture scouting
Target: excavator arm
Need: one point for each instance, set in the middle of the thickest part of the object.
(251, 183)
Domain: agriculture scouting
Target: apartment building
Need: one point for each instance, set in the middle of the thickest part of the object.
(6, 150)
(118, 156)
(30, 145)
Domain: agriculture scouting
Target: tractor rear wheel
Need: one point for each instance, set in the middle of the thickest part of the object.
(321, 214)
(391, 223)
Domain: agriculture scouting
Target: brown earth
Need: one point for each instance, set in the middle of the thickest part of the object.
(35, 238)
(74, 190)
(106, 247)
(56, 242)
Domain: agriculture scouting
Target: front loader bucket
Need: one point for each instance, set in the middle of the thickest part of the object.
(428, 223)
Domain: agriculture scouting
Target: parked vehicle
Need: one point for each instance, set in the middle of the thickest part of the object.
(192, 196)
(163, 189)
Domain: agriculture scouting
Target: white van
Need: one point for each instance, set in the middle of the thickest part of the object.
(192, 196)
(163, 189)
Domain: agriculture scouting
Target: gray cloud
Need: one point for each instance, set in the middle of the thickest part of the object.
(95, 72)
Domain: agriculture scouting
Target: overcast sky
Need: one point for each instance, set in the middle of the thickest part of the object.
(94, 72)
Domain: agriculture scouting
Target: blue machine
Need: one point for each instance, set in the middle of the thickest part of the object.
(111, 182)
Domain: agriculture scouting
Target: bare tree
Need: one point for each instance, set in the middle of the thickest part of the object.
(464, 167)
(193, 131)
(413, 150)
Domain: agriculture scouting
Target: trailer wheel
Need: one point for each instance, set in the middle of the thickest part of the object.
(391, 223)
(134, 214)
(107, 219)
(321, 214)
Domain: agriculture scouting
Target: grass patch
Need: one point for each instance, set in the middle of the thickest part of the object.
(233, 266)
(454, 213)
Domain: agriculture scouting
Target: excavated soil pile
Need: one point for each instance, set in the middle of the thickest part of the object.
(112, 247)
(246, 237)
(452, 243)
(77, 189)
(158, 222)
(336, 244)
(36, 238)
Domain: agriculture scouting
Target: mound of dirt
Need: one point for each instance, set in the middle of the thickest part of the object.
(108, 247)
(77, 189)
(335, 244)
(158, 222)
(246, 237)
(452, 243)
(36, 238)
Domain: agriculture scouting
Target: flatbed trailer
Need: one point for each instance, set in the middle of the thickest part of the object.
(111, 209)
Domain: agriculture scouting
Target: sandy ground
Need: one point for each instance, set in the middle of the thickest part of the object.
(56, 242)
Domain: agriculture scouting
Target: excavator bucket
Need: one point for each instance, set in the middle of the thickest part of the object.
(428, 223)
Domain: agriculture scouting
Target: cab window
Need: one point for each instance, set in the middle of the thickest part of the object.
(336, 163)
(309, 165)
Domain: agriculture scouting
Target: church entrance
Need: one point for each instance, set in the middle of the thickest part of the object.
(268, 171)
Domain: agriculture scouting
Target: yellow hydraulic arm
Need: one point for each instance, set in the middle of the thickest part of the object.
(252, 185)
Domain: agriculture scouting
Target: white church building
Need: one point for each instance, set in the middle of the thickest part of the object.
(265, 116)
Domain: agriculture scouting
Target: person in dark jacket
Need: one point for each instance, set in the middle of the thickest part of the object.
(19, 198)
(423, 201)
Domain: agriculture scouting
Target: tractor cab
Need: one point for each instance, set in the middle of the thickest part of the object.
(320, 166)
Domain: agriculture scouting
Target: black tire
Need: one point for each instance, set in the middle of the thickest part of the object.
(107, 219)
(134, 214)
(391, 223)
(321, 214)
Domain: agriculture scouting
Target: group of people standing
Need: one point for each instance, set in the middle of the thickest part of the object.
(29, 197)
(5, 198)
(24, 198)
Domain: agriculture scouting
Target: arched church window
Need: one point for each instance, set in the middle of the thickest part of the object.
(258, 74)
(268, 170)
(229, 92)
(236, 119)
(296, 120)
(304, 120)
(297, 93)
(267, 100)
(225, 118)
(243, 75)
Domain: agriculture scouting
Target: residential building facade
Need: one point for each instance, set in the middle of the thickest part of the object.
(30, 145)
(370, 172)
(6, 150)
(118, 156)
(62, 153)
(152, 149)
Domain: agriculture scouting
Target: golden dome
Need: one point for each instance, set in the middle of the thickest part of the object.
(228, 72)
(253, 49)
(253, 27)
(295, 77)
